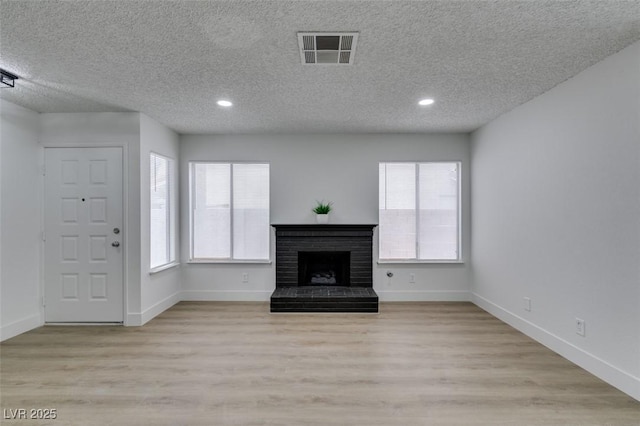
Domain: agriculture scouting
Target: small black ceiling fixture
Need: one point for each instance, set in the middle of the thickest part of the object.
(7, 79)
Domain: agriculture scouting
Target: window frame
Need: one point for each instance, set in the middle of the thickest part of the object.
(192, 190)
(459, 258)
(171, 236)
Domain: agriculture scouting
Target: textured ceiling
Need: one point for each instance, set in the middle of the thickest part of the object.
(172, 60)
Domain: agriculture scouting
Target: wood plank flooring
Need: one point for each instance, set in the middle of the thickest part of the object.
(209, 363)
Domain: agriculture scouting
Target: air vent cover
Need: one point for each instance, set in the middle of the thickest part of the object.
(327, 48)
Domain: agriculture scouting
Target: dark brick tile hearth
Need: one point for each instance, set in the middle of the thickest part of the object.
(324, 299)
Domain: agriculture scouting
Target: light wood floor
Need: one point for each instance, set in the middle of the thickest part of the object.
(203, 363)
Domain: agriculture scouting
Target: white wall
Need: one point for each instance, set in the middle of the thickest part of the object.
(161, 290)
(556, 217)
(338, 168)
(20, 221)
(109, 129)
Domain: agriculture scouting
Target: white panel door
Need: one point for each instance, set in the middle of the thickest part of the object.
(83, 275)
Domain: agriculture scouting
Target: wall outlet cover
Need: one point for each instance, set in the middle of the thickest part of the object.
(580, 327)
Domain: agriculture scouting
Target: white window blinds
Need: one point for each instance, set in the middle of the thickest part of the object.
(230, 211)
(162, 212)
(419, 211)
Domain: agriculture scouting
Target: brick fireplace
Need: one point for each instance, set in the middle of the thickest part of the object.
(324, 268)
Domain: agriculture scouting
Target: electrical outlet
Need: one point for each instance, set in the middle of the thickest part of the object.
(580, 327)
(245, 277)
(412, 278)
(527, 304)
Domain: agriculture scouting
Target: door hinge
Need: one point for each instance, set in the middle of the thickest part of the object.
(43, 170)
(44, 238)
(43, 302)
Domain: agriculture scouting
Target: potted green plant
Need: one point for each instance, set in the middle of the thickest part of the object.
(322, 210)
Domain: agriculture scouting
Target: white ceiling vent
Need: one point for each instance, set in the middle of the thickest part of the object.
(327, 48)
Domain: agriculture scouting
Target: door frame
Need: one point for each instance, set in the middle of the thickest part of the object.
(125, 218)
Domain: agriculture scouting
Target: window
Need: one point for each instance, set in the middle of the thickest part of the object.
(229, 211)
(162, 209)
(419, 211)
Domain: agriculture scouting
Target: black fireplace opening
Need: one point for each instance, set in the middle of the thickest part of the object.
(324, 268)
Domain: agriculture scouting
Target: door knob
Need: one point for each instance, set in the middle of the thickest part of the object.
(115, 244)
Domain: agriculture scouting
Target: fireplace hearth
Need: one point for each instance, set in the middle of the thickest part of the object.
(324, 268)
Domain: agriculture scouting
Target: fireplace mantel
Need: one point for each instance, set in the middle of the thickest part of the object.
(294, 229)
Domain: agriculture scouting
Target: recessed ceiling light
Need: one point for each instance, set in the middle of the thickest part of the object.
(424, 102)
(224, 103)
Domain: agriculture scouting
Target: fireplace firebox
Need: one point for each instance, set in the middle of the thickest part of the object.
(323, 268)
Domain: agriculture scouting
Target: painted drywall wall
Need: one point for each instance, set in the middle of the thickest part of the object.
(161, 290)
(338, 168)
(109, 129)
(556, 218)
(20, 221)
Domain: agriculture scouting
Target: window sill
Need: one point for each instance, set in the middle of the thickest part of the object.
(418, 261)
(229, 261)
(164, 267)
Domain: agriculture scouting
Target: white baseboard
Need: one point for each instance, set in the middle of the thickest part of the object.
(21, 326)
(138, 319)
(384, 296)
(620, 379)
(155, 310)
(226, 296)
(423, 296)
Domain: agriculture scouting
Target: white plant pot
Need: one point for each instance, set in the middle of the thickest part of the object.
(322, 218)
